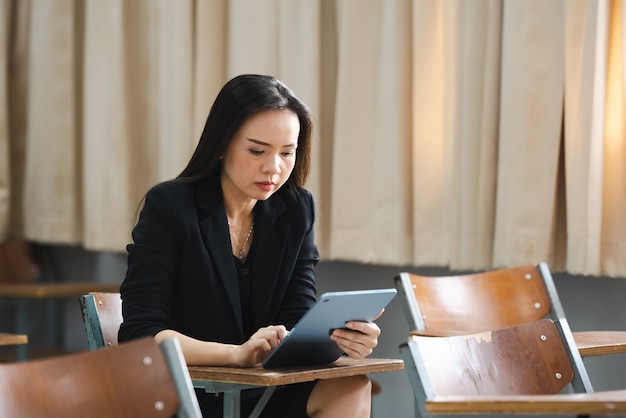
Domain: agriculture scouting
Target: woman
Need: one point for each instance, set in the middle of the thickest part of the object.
(223, 256)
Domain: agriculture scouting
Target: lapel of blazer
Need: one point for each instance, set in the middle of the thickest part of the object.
(271, 237)
(214, 231)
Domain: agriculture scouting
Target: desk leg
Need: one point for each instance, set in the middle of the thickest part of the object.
(267, 394)
(52, 323)
(21, 326)
(231, 393)
(232, 404)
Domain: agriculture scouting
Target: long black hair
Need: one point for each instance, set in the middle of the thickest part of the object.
(239, 99)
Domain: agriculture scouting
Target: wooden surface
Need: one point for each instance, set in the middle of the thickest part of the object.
(524, 359)
(596, 403)
(109, 307)
(589, 343)
(13, 339)
(116, 382)
(595, 343)
(492, 300)
(47, 290)
(468, 303)
(345, 366)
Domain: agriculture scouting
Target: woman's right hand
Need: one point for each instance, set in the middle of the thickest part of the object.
(259, 346)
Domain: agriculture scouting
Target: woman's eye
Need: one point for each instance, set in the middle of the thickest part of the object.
(256, 151)
(288, 153)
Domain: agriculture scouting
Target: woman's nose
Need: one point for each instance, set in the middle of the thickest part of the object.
(272, 165)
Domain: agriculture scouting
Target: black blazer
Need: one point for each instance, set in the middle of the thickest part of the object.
(181, 271)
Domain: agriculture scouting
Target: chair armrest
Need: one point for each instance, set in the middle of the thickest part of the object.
(594, 343)
(434, 332)
(601, 403)
(589, 343)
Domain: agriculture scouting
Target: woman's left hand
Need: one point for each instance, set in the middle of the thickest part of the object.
(358, 339)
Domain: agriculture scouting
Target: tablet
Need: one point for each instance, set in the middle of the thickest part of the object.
(308, 342)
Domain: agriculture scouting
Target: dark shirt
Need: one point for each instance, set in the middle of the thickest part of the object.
(244, 276)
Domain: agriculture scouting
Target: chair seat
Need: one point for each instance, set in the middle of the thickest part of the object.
(516, 370)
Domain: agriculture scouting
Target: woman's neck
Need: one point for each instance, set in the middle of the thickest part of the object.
(238, 207)
(240, 218)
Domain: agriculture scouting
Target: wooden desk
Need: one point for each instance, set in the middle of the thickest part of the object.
(25, 294)
(53, 290)
(232, 380)
(13, 339)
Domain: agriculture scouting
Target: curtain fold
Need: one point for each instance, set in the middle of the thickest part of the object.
(531, 108)
(5, 172)
(120, 122)
(456, 59)
(585, 52)
(369, 197)
(477, 82)
(14, 105)
(470, 135)
(51, 194)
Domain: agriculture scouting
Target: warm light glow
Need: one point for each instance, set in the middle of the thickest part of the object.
(614, 116)
(614, 184)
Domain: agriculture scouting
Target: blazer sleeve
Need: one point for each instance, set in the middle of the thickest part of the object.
(147, 290)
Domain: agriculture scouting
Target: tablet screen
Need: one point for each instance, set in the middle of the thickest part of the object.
(309, 341)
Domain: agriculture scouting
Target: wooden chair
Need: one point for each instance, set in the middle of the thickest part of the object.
(517, 370)
(468, 303)
(102, 316)
(136, 379)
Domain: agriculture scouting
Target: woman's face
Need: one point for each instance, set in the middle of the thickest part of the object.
(261, 155)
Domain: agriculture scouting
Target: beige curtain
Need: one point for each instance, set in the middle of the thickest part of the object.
(449, 133)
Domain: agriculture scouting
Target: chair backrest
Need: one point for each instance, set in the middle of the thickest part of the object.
(467, 303)
(19, 262)
(136, 379)
(471, 303)
(528, 359)
(102, 316)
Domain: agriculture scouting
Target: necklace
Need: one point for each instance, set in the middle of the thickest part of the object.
(241, 255)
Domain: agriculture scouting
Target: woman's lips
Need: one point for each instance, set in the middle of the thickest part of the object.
(267, 186)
